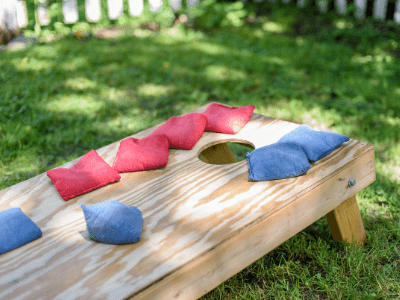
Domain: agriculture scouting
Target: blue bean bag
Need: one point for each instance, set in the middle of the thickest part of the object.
(16, 229)
(277, 161)
(112, 222)
(315, 144)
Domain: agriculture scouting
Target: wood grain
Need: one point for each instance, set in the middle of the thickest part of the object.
(190, 208)
(230, 257)
(346, 224)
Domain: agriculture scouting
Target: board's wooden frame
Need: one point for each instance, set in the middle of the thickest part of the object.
(230, 257)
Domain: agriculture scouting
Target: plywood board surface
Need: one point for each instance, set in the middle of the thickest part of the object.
(189, 207)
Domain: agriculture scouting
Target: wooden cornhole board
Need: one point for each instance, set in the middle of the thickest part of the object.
(203, 222)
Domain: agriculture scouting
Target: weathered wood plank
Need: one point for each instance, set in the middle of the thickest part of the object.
(115, 8)
(189, 208)
(380, 7)
(92, 10)
(135, 7)
(70, 11)
(346, 223)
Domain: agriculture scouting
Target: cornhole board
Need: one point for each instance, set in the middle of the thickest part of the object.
(204, 221)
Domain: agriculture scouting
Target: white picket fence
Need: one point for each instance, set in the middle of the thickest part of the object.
(13, 13)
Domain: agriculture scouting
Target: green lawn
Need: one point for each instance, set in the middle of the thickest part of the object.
(59, 100)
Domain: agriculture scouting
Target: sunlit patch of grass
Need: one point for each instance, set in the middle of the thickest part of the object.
(274, 60)
(218, 72)
(154, 90)
(32, 64)
(73, 64)
(46, 51)
(143, 33)
(132, 124)
(77, 104)
(26, 165)
(80, 83)
(111, 67)
(343, 24)
(211, 49)
(273, 27)
(362, 59)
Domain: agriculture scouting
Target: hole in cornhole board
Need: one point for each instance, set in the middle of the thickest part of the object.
(226, 152)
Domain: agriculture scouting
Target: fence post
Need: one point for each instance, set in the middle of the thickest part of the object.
(175, 4)
(22, 14)
(115, 8)
(155, 5)
(341, 7)
(361, 6)
(42, 13)
(323, 5)
(397, 12)
(93, 12)
(192, 3)
(135, 7)
(301, 3)
(380, 7)
(70, 11)
(8, 20)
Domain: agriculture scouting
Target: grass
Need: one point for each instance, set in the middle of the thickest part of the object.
(59, 100)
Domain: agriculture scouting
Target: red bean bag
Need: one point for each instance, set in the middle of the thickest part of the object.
(224, 119)
(183, 132)
(139, 155)
(90, 173)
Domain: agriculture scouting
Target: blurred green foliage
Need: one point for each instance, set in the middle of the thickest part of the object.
(164, 17)
(210, 14)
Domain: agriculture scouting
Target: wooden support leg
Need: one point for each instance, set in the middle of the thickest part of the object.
(219, 154)
(346, 223)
